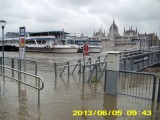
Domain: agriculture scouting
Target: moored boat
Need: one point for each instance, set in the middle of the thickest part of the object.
(94, 45)
(41, 42)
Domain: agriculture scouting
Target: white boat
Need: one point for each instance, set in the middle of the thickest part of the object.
(45, 43)
(94, 45)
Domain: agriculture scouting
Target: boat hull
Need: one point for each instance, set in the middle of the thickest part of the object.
(91, 50)
(54, 50)
(9, 48)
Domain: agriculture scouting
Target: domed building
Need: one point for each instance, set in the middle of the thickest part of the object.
(113, 31)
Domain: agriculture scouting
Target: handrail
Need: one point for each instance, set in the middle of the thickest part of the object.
(19, 81)
(19, 62)
(42, 85)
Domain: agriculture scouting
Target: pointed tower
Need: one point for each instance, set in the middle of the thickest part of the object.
(94, 33)
(113, 21)
(145, 33)
(131, 28)
(136, 29)
(124, 30)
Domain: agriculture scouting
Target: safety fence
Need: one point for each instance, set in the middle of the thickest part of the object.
(94, 72)
(75, 66)
(20, 64)
(140, 61)
(24, 78)
(137, 84)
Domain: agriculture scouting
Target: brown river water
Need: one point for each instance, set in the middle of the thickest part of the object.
(67, 98)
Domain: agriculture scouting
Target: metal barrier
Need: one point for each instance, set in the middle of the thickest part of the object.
(70, 67)
(137, 84)
(94, 72)
(21, 78)
(20, 64)
(140, 61)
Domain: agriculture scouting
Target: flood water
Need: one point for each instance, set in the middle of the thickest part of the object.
(64, 96)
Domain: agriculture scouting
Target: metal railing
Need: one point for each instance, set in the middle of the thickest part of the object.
(140, 61)
(36, 82)
(137, 84)
(70, 67)
(20, 64)
(94, 72)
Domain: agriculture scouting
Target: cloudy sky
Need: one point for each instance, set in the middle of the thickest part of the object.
(77, 16)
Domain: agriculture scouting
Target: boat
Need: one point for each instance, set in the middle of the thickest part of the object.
(94, 45)
(41, 42)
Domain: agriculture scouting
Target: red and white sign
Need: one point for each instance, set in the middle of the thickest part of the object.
(86, 49)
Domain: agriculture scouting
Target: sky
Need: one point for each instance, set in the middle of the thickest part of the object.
(81, 16)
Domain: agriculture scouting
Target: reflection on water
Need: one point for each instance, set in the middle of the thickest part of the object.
(64, 94)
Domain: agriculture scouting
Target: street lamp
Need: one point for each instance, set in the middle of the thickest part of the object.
(3, 23)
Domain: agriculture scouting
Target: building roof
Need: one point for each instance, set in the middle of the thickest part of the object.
(114, 26)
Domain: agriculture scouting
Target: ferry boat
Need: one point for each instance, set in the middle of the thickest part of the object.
(94, 45)
(40, 42)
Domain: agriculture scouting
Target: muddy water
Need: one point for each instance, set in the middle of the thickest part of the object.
(65, 96)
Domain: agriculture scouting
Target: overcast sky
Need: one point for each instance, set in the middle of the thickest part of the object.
(77, 16)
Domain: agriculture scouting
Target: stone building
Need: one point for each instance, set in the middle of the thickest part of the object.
(130, 37)
(113, 31)
(99, 35)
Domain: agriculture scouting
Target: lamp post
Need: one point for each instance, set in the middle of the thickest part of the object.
(2, 23)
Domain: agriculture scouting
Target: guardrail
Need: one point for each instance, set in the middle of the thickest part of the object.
(96, 71)
(140, 61)
(72, 66)
(21, 78)
(20, 64)
(137, 84)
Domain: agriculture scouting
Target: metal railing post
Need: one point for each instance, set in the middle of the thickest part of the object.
(89, 60)
(96, 71)
(38, 92)
(12, 67)
(35, 68)
(80, 66)
(55, 69)
(19, 68)
(68, 68)
(154, 88)
(83, 71)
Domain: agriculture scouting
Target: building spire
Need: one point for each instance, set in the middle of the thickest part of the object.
(136, 29)
(94, 32)
(145, 33)
(113, 21)
(124, 30)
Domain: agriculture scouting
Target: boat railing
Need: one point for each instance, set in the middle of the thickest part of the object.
(24, 78)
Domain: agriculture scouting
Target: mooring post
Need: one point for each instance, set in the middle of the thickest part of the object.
(112, 73)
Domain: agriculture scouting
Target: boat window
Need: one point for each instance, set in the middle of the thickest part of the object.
(43, 42)
(39, 42)
(70, 42)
